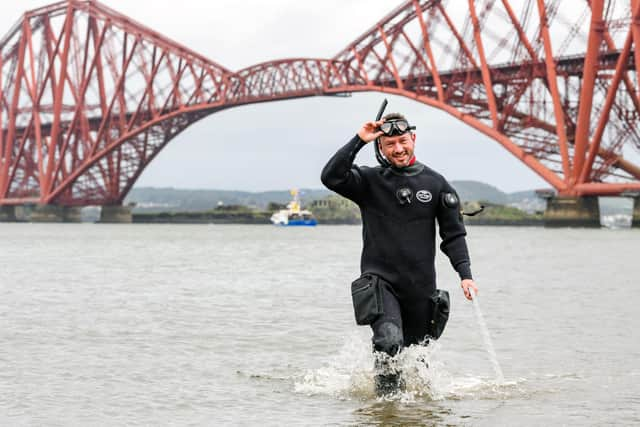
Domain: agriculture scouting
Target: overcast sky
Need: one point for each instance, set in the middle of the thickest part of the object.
(284, 144)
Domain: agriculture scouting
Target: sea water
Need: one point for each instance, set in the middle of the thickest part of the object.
(253, 325)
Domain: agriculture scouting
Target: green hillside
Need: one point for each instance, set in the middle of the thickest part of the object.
(475, 190)
(149, 199)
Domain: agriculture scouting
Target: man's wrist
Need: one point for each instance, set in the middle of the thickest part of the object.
(359, 142)
(464, 271)
(362, 140)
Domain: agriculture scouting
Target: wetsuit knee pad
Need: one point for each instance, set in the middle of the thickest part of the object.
(388, 338)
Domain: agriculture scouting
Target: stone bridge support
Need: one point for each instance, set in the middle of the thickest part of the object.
(635, 219)
(116, 214)
(572, 212)
(53, 213)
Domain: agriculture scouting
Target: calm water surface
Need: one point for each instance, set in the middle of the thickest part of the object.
(252, 325)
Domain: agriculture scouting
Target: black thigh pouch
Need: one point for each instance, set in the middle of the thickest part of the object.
(366, 294)
(439, 301)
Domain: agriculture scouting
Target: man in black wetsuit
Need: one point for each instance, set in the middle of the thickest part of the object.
(400, 204)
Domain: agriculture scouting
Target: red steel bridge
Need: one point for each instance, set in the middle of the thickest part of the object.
(88, 96)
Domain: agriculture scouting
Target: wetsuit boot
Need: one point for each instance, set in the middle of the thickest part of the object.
(387, 342)
(388, 379)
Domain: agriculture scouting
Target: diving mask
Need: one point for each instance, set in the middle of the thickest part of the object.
(395, 127)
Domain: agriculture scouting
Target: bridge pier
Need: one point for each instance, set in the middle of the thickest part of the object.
(54, 213)
(71, 214)
(635, 219)
(572, 212)
(116, 214)
(8, 214)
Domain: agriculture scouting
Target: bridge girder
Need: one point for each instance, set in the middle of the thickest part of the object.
(89, 97)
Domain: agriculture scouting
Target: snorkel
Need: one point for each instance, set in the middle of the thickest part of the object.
(381, 159)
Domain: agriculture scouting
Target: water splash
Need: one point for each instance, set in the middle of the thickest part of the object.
(346, 374)
(350, 375)
(487, 339)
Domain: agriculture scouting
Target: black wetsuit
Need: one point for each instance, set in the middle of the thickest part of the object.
(399, 237)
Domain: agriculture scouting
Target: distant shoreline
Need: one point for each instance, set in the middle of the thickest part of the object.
(206, 217)
(262, 218)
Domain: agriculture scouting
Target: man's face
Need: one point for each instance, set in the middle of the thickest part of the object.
(398, 149)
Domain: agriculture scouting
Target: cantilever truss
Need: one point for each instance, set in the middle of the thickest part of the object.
(88, 97)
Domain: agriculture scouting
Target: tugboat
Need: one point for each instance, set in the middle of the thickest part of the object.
(293, 215)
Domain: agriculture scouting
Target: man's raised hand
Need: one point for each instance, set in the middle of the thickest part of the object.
(370, 131)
